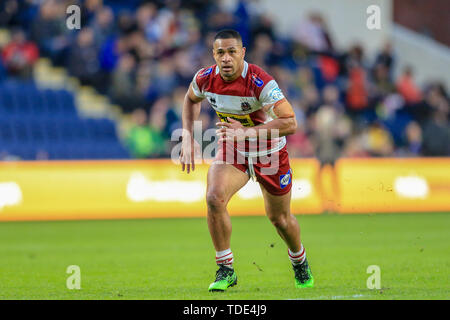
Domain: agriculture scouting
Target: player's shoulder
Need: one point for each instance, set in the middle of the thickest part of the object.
(204, 74)
(258, 79)
(258, 76)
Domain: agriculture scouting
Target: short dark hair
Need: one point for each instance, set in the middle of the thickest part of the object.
(228, 34)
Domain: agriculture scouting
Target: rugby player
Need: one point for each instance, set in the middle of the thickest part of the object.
(251, 107)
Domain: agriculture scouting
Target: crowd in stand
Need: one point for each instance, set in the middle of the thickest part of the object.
(143, 55)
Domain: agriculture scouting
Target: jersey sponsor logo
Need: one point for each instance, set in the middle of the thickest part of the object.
(285, 179)
(205, 72)
(244, 119)
(256, 80)
(275, 94)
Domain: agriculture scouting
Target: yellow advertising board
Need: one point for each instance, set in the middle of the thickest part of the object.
(58, 190)
(393, 185)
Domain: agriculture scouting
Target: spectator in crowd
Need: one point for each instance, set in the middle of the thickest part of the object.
(299, 143)
(310, 100)
(185, 66)
(386, 58)
(19, 55)
(303, 78)
(378, 141)
(103, 25)
(354, 147)
(262, 24)
(407, 88)
(143, 55)
(50, 32)
(327, 150)
(158, 123)
(436, 134)
(123, 89)
(357, 98)
(175, 110)
(142, 141)
(331, 98)
(330, 130)
(382, 85)
(89, 10)
(313, 34)
(165, 79)
(413, 137)
(434, 96)
(9, 11)
(83, 60)
(391, 112)
(261, 51)
(17, 13)
(147, 22)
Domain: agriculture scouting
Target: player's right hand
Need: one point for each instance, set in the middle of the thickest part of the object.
(190, 150)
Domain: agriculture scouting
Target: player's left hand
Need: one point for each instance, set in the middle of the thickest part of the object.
(230, 131)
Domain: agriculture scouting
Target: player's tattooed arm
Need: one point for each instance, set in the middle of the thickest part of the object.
(283, 124)
(189, 147)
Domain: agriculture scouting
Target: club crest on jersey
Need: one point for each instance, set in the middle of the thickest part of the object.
(256, 80)
(285, 179)
(245, 106)
(205, 72)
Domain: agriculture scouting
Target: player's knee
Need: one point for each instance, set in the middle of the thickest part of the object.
(215, 201)
(279, 221)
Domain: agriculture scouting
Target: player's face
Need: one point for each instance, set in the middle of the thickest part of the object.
(229, 56)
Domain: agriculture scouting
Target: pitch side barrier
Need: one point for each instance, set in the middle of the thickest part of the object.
(63, 190)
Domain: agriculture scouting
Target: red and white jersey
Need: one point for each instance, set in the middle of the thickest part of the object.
(249, 99)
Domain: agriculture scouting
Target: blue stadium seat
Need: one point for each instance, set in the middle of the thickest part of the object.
(6, 132)
(7, 103)
(52, 130)
(39, 104)
(34, 120)
(22, 103)
(53, 105)
(21, 131)
(67, 102)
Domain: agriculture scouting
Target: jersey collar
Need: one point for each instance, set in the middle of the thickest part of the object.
(244, 71)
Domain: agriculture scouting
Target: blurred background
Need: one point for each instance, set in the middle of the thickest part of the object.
(114, 89)
(368, 81)
(87, 115)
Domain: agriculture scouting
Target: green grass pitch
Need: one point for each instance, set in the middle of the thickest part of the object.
(174, 258)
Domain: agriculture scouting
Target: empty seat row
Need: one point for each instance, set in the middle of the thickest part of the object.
(43, 123)
(46, 103)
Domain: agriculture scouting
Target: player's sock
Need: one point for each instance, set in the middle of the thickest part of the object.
(302, 271)
(225, 258)
(297, 257)
(225, 276)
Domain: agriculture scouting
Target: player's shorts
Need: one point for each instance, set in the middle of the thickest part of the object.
(273, 171)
